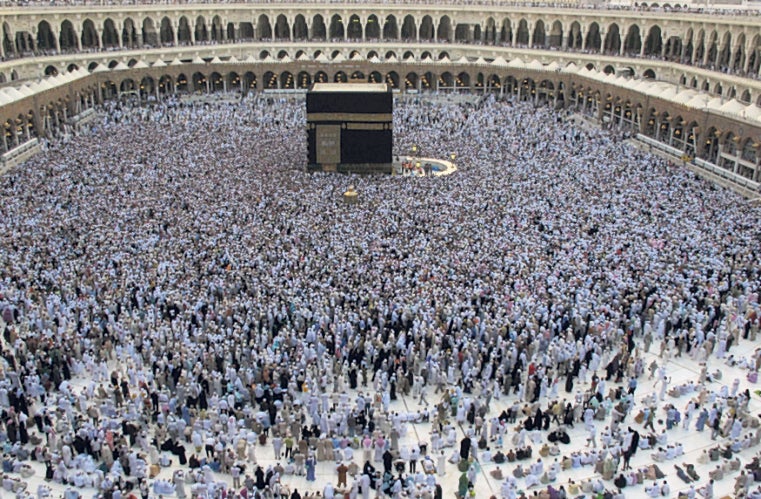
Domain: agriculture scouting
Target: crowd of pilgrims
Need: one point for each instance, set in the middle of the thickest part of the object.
(175, 289)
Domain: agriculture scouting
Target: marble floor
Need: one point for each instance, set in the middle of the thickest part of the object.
(680, 369)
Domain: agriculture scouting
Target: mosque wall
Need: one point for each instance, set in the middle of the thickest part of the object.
(152, 51)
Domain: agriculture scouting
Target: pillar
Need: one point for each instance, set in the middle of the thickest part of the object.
(602, 41)
(530, 35)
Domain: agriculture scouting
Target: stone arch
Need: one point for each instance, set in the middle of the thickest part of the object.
(575, 39)
(201, 31)
(594, 40)
(182, 83)
(68, 37)
(246, 30)
(754, 56)
(527, 89)
(286, 79)
(609, 70)
(613, 40)
(372, 28)
(184, 36)
(654, 41)
(712, 48)
(150, 36)
(300, 29)
(462, 80)
(216, 31)
(390, 28)
(556, 35)
(129, 33)
(147, 86)
(700, 46)
(269, 80)
(282, 29)
(490, 32)
(726, 51)
(462, 33)
(91, 67)
(745, 96)
(23, 42)
(392, 78)
(649, 74)
(506, 32)
(110, 34)
(688, 45)
(633, 41)
(375, 77)
(409, 30)
(493, 83)
(90, 37)
(718, 89)
(319, 31)
(45, 36)
(427, 80)
(427, 32)
(303, 80)
(738, 62)
(354, 30)
(340, 77)
(749, 150)
(390, 54)
(282, 55)
(51, 70)
(411, 81)
(540, 37)
(729, 144)
(263, 30)
(444, 32)
(128, 86)
(321, 77)
(336, 31)
(72, 67)
(230, 32)
(166, 84)
(522, 35)
(166, 32)
(249, 81)
(8, 45)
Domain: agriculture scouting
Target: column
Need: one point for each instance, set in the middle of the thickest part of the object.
(664, 44)
(56, 39)
(530, 35)
(602, 41)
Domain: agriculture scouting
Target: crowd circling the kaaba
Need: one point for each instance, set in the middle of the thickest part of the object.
(186, 312)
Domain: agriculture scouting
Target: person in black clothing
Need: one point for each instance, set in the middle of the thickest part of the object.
(465, 448)
(295, 494)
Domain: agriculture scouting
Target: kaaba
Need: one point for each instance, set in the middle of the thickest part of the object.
(349, 127)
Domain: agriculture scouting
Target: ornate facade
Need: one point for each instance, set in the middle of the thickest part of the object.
(658, 64)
